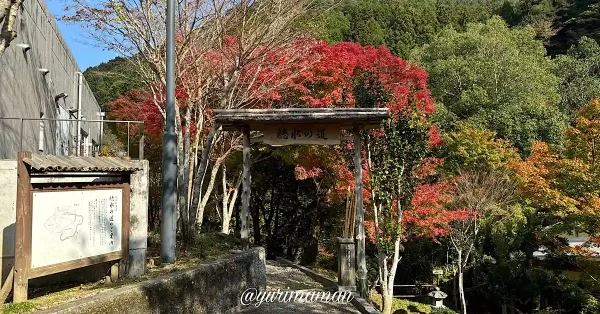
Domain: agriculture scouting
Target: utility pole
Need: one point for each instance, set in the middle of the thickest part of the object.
(169, 165)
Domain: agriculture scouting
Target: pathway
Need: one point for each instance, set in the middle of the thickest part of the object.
(289, 278)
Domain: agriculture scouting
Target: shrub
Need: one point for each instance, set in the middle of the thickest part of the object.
(442, 310)
(401, 304)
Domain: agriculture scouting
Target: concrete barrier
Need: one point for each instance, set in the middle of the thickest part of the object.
(211, 288)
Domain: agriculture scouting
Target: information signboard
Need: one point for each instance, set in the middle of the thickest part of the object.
(71, 225)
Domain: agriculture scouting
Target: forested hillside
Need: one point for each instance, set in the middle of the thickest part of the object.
(111, 79)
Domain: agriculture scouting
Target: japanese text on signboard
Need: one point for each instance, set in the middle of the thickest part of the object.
(302, 134)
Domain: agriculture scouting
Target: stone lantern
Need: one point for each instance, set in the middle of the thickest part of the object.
(437, 297)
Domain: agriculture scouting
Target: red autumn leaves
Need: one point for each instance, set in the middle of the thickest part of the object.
(315, 74)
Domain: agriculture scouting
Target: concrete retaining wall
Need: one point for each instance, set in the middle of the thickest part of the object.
(26, 92)
(8, 205)
(138, 232)
(206, 289)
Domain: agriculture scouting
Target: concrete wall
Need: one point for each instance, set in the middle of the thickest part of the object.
(138, 226)
(8, 202)
(212, 288)
(25, 92)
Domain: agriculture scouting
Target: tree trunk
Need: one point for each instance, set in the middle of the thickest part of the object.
(225, 224)
(387, 276)
(229, 200)
(461, 286)
(184, 181)
(180, 144)
(387, 300)
(226, 218)
(387, 295)
(207, 193)
(194, 155)
(199, 177)
(232, 203)
(9, 10)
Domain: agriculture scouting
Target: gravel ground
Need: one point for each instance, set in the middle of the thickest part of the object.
(289, 278)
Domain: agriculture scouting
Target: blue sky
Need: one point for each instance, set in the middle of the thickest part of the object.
(86, 54)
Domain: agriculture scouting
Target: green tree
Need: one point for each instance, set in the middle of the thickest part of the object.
(369, 32)
(497, 78)
(579, 74)
(337, 27)
(476, 149)
(539, 14)
(560, 23)
(576, 18)
(401, 25)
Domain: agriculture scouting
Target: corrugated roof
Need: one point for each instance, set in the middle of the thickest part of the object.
(51, 163)
(367, 117)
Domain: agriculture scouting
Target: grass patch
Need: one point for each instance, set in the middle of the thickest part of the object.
(21, 307)
(410, 307)
(207, 247)
(328, 273)
(400, 304)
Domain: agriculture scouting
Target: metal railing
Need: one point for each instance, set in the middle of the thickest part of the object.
(128, 122)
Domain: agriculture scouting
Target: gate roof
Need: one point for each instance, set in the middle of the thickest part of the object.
(232, 119)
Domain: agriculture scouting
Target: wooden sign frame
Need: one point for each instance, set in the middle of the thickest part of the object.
(23, 236)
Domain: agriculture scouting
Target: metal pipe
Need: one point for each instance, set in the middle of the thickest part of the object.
(169, 162)
(79, 84)
(128, 139)
(101, 137)
(21, 137)
(50, 119)
(88, 143)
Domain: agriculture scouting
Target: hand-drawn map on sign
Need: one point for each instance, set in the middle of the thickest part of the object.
(70, 225)
(290, 134)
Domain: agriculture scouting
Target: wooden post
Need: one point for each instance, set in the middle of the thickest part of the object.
(245, 189)
(122, 265)
(346, 263)
(360, 214)
(23, 230)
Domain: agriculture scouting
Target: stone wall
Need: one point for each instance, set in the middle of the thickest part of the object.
(26, 92)
(138, 232)
(212, 288)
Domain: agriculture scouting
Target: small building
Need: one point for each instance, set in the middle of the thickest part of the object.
(39, 78)
(573, 242)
